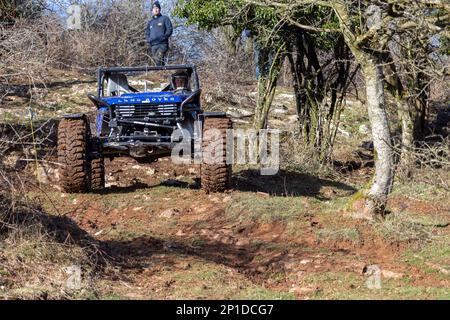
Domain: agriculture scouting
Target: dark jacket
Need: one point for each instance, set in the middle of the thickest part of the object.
(159, 29)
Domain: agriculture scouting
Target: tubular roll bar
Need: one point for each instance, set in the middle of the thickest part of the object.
(130, 70)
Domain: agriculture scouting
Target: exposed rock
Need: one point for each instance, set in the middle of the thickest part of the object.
(280, 110)
(214, 199)
(180, 233)
(364, 129)
(343, 132)
(227, 199)
(305, 261)
(242, 242)
(303, 290)
(262, 269)
(263, 194)
(170, 213)
(391, 274)
(46, 173)
(239, 112)
(241, 121)
(292, 119)
(286, 96)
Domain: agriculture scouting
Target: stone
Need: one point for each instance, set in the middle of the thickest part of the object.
(286, 96)
(280, 110)
(364, 129)
(292, 119)
(303, 290)
(239, 112)
(242, 242)
(305, 261)
(47, 174)
(180, 233)
(170, 213)
(391, 274)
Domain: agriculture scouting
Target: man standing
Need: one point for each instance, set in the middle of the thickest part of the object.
(159, 29)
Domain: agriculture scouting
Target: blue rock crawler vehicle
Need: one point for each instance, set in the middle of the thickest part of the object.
(143, 125)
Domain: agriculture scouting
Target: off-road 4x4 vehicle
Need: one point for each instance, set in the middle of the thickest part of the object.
(142, 125)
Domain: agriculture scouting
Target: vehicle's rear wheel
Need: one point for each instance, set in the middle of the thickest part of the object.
(73, 137)
(215, 172)
(98, 174)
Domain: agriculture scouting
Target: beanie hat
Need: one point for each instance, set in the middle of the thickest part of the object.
(156, 4)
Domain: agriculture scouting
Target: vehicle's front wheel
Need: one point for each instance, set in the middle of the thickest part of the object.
(73, 137)
(215, 171)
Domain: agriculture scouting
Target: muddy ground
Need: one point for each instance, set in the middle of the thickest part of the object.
(288, 237)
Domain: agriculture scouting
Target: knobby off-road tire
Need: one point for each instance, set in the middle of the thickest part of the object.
(97, 174)
(215, 173)
(73, 137)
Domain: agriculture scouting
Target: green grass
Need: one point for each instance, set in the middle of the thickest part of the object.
(249, 207)
(353, 119)
(261, 293)
(404, 227)
(297, 227)
(350, 286)
(434, 259)
(421, 191)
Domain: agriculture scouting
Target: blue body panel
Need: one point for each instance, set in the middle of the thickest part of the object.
(146, 98)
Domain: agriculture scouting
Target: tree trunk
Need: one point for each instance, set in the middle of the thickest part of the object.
(407, 117)
(421, 105)
(376, 198)
(384, 156)
(266, 93)
(267, 84)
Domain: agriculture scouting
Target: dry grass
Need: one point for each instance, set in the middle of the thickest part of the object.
(39, 254)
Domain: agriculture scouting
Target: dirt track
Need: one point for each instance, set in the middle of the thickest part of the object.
(168, 239)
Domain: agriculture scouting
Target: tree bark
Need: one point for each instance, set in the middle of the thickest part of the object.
(376, 198)
(266, 93)
(407, 117)
(384, 155)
